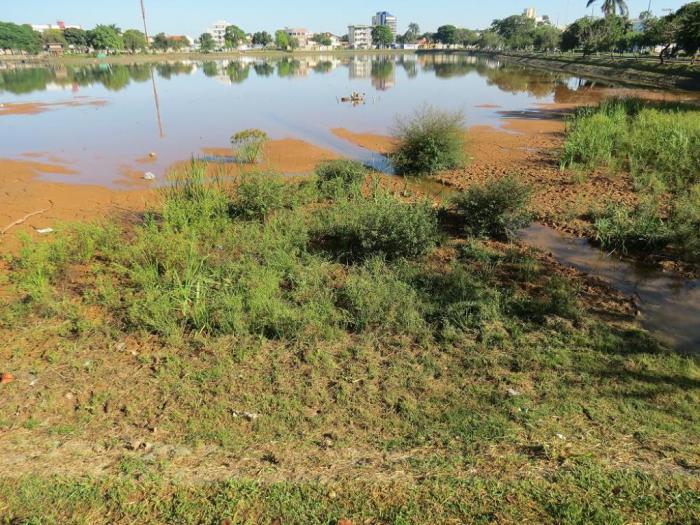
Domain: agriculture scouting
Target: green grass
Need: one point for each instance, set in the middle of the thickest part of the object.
(403, 373)
(659, 145)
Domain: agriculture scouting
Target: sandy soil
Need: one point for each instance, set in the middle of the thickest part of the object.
(527, 146)
(21, 195)
(34, 108)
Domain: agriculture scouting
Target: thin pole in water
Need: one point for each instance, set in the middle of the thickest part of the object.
(143, 15)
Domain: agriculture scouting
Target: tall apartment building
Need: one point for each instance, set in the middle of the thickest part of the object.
(218, 32)
(360, 37)
(530, 13)
(383, 18)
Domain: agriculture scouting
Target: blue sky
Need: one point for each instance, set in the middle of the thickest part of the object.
(192, 17)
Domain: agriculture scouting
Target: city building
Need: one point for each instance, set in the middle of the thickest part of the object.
(302, 35)
(530, 13)
(360, 37)
(41, 28)
(218, 33)
(384, 18)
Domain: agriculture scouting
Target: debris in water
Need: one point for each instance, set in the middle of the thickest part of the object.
(152, 154)
(149, 176)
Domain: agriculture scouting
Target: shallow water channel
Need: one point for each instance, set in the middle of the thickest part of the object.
(669, 305)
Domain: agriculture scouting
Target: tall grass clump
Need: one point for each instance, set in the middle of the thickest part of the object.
(632, 229)
(248, 145)
(379, 225)
(260, 194)
(340, 177)
(428, 141)
(496, 209)
(685, 222)
(659, 143)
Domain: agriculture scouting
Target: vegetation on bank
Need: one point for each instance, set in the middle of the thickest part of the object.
(659, 145)
(295, 322)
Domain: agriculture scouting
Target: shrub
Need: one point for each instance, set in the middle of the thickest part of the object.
(381, 225)
(374, 298)
(429, 141)
(496, 209)
(637, 229)
(685, 222)
(260, 194)
(248, 144)
(338, 177)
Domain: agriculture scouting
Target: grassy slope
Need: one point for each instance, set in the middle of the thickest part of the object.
(224, 361)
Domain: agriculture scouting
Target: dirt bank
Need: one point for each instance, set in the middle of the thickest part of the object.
(44, 204)
(618, 71)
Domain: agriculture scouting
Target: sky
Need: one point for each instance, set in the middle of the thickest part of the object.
(192, 17)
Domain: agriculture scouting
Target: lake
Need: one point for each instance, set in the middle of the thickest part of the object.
(100, 118)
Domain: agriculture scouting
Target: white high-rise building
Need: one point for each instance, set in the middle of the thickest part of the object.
(384, 18)
(360, 37)
(218, 32)
(530, 13)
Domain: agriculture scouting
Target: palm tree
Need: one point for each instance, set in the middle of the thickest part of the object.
(610, 7)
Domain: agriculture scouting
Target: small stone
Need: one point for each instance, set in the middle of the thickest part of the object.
(561, 436)
(152, 154)
(149, 176)
(513, 393)
(6, 378)
(69, 395)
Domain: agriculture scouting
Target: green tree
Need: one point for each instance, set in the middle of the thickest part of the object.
(689, 29)
(467, 37)
(262, 38)
(134, 40)
(447, 35)
(105, 38)
(75, 37)
(234, 36)
(547, 37)
(282, 40)
(161, 42)
(572, 37)
(611, 7)
(661, 32)
(206, 43)
(322, 39)
(19, 38)
(382, 36)
(53, 36)
(412, 35)
(517, 31)
(490, 40)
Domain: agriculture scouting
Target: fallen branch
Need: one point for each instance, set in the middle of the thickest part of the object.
(23, 219)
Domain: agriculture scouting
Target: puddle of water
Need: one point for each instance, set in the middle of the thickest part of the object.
(669, 305)
(177, 108)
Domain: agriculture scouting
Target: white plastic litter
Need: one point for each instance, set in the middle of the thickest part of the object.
(149, 176)
(44, 231)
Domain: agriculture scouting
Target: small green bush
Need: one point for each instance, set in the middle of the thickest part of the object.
(636, 229)
(248, 144)
(347, 173)
(496, 209)
(379, 225)
(374, 298)
(259, 195)
(429, 141)
(685, 222)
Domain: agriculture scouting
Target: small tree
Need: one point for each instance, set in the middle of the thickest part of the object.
(75, 37)
(413, 34)
(447, 35)
(234, 36)
(105, 38)
(547, 38)
(661, 32)
(322, 40)
(206, 42)
(248, 144)
(262, 38)
(282, 39)
(134, 40)
(161, 42)
(382, 36)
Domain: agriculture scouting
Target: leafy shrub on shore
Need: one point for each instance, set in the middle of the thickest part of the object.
(495, 209)
(632, 229)
(338, 177)
(248, 144)
(379, 225)
(429, 141)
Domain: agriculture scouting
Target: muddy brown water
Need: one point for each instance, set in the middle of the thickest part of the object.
(669, 305)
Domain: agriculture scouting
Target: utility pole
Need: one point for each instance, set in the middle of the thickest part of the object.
(143, 14)
(649, 8)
